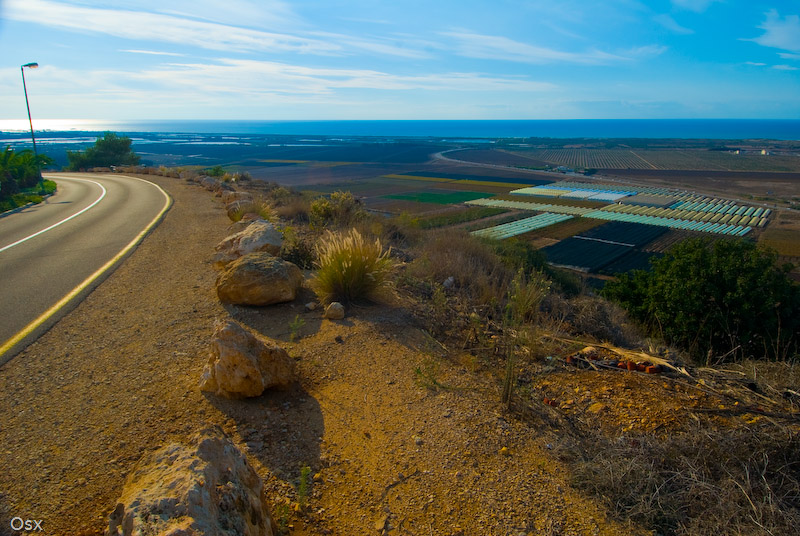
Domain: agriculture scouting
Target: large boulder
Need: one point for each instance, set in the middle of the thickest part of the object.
(259, 279)
(244, 365)
(205, 488)
(258, 235)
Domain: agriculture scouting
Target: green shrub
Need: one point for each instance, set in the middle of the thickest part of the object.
(351, 268)
(109, 150)
(721, 300)
(216, 171)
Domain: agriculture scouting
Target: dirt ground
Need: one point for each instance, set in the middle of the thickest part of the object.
(398, 435)
(118, 377)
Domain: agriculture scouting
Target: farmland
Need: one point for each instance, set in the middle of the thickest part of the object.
(643, 199)
(672, 159)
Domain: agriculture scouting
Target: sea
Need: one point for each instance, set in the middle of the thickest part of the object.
(460, 130)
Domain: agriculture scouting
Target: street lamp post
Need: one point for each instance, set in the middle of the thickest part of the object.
(32, 65)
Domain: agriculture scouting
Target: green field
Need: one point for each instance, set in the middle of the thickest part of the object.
(444, 198)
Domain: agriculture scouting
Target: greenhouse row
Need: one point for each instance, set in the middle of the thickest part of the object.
(688, 225)
(738, 217)
(522, 226)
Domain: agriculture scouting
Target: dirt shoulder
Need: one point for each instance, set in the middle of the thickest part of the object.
(392, 450)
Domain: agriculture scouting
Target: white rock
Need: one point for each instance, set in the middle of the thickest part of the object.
(258, 236)
(204, 488)
(259, 279)
(241, 364)
(334, 311)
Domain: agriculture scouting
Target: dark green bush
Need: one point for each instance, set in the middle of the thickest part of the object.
(721, 300)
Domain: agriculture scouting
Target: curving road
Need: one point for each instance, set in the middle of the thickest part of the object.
(54, 253)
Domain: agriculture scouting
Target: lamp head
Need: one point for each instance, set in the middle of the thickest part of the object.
(32, 65)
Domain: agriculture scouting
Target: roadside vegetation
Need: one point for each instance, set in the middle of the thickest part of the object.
(19, 178)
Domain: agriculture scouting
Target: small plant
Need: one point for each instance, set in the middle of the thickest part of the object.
(351, 268)
(304, 487)
(524, 297)
(297, 249)
(282, 514)
(294, 328)
(216, 171)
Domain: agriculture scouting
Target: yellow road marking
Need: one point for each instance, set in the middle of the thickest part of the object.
(44, 317)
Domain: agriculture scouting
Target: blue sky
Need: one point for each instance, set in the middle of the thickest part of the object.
(401, 59)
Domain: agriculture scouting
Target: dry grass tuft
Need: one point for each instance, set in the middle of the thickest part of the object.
(238, 209)
(351, 268)
(472, 263)
(702, 483)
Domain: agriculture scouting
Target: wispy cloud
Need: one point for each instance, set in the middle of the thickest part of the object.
(780, 32)
(755, 63)
(669, 23)
(253, 77)
(147, 26)
(473, 45)
(789, 56)
(784, 67)
(153, 52)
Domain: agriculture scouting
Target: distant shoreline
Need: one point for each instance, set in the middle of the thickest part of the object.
(453, 130)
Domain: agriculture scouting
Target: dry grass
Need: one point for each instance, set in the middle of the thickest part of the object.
(295, 208)
(238, 209)
(351, 268)
(472, 263)
(701, 483)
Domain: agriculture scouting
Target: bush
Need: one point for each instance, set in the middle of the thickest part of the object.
(109, 150)
(350, 268)
(471, 262)
(342, 209)
(298, 248)
(295, 208)
(216, 171)
(727, 299)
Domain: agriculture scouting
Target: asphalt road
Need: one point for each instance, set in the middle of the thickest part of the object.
(54, 253)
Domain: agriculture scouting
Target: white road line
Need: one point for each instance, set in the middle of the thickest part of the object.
(27, 330)
(65, 220)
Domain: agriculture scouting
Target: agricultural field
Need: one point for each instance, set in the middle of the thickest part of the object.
(496, 157)
(632, 234)
(565, 229)
(583, 203)
(466, 179)
(633, 260)
(663, 159)
(610, 248)
(584, 255)
(475, 216)
(775, 187)
(438, 197)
